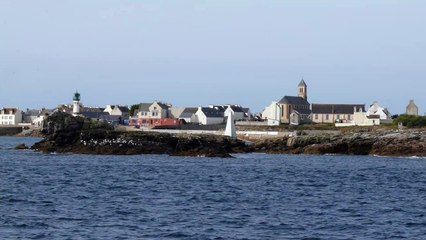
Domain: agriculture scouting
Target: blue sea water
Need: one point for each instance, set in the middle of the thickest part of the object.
(253, 196)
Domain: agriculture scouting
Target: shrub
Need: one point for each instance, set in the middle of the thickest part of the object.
(410, 121)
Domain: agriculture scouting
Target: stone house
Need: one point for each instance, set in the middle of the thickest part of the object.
(412, 109)
(154, 114)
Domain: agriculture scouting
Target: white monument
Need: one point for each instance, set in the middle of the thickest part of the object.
(230, 130)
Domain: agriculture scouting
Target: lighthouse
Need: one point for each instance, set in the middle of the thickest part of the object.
(76, 104)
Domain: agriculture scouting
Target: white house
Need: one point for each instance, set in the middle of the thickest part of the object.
(10, 116)
(240, 113)
(189, 115)
(117, 110)
(272, 114)
(376, 110)
(361, 119)
(209, 116)
(237, 111)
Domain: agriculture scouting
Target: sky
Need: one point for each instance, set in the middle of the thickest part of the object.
(195, 53)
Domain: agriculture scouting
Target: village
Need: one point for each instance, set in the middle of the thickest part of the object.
(153, 116)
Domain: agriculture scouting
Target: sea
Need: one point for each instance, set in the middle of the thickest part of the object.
(251, 196)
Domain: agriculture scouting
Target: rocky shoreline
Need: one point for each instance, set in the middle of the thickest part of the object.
(378, 142)
(64, 133)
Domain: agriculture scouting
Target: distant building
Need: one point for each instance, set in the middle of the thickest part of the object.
(376, 110)
(240, 113)
(154, 114)
(360, 118)
(209, 116)
(298, 105)
(117, 110)
(189, 115)
(35, 117)
(30, 115)
(331, 113)
(412, 109)
(272, 114)
(10, 116)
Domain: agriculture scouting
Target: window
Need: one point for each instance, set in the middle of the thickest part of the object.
(316, 116)
(338, 116)
(326, 117)
(10, 117)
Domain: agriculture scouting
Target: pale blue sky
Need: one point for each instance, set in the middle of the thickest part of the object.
(193, 53)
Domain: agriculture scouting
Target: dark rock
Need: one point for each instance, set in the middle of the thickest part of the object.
(21, 146)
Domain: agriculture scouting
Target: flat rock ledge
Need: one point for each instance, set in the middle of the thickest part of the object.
(384, 143)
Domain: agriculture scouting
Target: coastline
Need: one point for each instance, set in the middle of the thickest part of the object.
(66, 134)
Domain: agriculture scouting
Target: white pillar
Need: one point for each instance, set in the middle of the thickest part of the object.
(230, 130)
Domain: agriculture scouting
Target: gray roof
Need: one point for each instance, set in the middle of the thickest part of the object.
(188, 112)
(93, 109)
(302, 83)
(294, 100)
(237, 109)
(162, 105)
(212, 112)
(94, 115)
(123, 109)
(219, 107)
(303, 111)
(144, 107)
(336, 108)
(32, 112)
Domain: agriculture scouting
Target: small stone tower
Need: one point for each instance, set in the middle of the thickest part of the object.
(303, 90)
(412, 109)
(76, 104)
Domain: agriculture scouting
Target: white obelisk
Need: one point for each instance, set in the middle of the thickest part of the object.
(230, 130)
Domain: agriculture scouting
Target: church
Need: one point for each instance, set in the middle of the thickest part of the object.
(296, 109)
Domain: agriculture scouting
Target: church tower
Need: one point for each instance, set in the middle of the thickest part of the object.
(76, 104)
(303, 90)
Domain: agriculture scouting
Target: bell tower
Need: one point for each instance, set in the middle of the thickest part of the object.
(303, 90)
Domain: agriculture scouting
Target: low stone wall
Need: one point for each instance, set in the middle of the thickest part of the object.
(251, 123)
(10, 131)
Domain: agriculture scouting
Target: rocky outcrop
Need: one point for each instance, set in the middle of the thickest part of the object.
(65, 133)
(385, 143)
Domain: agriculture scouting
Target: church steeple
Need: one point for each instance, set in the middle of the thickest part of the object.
(303, 90)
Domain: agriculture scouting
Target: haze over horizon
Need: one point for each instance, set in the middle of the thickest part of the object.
(192, 53)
